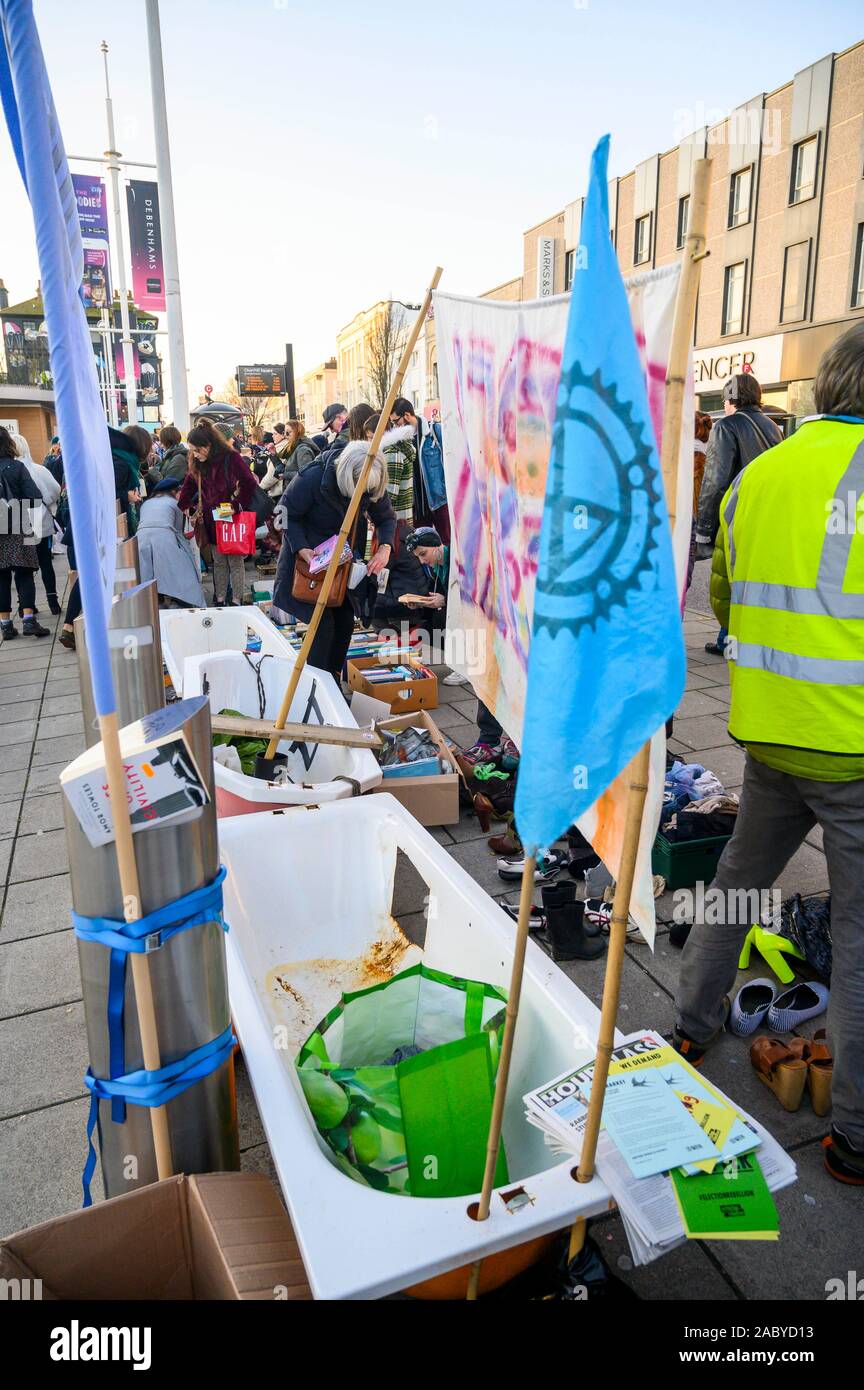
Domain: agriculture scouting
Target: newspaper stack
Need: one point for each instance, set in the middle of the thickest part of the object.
(648, 1206)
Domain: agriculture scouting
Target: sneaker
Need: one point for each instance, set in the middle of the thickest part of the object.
(31, 628)
(599, 914)
(455, 678)
(842, 1161)
(508, 755)
(546, 868)
(479, 752)
(536, 920)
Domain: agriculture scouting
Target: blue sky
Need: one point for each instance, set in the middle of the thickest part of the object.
(330, 154)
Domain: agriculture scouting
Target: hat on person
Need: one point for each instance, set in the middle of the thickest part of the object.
(423, 536)
(55, 439)
(166, 485)
(331, 411)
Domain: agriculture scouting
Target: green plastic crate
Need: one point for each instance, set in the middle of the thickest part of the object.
(687, 862)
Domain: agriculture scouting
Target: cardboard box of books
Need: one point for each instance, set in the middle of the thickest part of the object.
(433, 799)
(405, 685)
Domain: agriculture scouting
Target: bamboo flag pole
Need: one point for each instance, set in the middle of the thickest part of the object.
(670, 449)
(510, 1017)
(353, 506)
(129, 887)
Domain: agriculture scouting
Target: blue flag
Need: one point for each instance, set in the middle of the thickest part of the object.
(607, 665)
(28, 106)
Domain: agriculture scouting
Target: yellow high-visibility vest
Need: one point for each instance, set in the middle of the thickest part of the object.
(793, 532)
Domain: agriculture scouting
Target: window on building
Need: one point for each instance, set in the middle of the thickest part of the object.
(569, 264)
(858, 277)
(739, 197)
(642, 241)
(796, 269)
(733, 298)
(805, 161)
(683, 221)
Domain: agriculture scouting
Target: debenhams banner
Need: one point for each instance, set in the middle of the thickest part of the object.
(145, 238)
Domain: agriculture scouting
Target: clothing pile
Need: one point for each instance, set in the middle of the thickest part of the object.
(696, 805)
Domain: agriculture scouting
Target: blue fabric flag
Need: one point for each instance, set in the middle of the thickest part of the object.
(607, 665)
(28, 106)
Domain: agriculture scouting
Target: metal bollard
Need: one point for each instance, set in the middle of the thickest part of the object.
(189, 979)
(127, 571)
(136, 658)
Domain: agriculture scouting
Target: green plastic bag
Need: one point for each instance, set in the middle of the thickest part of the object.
(418, 1124)
(247, 748)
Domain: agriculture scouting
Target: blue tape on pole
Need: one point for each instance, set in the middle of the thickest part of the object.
(149, 933)
(152, 1088)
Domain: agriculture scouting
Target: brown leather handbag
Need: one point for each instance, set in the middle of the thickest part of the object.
(306, 587)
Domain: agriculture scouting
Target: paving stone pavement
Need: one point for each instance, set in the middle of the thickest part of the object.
(43, 1046)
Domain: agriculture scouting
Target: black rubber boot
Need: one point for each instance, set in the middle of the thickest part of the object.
(562, 894)
(565, 930)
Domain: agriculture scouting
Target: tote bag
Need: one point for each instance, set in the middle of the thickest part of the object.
(237, 536)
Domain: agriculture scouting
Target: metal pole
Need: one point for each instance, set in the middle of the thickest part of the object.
(127, 572)
(189, 983)
(112, 155)
(176, 343)
(110, 388)
(136, 659)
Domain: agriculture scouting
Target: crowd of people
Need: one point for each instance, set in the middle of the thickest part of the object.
(296, 485)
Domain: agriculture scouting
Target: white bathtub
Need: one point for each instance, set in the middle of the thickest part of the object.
(308, 894)
(207, 644)
(199, 631)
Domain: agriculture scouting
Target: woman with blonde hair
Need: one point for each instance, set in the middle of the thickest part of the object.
(313, 509)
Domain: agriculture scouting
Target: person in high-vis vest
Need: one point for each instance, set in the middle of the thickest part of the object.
(788, 583)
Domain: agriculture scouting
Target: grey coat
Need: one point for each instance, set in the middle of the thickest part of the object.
(164, 553)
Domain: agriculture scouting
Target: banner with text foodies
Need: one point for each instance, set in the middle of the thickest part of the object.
(499, 367)
(92, 200)
(145, 244)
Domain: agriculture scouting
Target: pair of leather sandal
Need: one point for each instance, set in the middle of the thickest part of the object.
(788, 1068)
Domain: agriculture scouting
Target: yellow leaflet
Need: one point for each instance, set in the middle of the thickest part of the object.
(714, 1119)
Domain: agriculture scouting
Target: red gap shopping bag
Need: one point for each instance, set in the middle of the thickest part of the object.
(237, 536)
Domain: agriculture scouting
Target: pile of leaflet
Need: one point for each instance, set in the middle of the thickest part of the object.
(678, 1157)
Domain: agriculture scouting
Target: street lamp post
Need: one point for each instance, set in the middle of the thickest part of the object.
(176, 344)
(112, 155)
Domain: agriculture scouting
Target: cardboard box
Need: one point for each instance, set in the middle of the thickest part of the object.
(215, 1236)
(431, 800)
(401, 695)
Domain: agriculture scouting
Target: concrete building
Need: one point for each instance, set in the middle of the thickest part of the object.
(785, 274)
(315, 390)
(373, 335)
(27, 385)
(26, 389)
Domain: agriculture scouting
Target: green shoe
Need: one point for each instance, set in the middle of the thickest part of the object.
(772, 948)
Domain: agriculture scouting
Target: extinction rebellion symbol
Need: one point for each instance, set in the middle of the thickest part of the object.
(601, 509)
